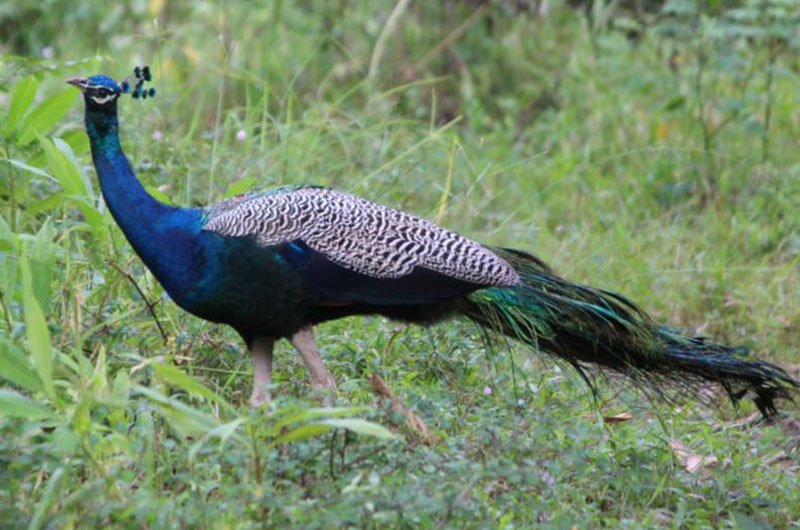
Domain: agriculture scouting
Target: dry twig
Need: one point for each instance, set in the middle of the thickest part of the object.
(414, 422)
(150, 305)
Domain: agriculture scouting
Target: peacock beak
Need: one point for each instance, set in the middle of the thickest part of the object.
(80, 82)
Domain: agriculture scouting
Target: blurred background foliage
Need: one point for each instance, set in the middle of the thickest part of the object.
(645, 146)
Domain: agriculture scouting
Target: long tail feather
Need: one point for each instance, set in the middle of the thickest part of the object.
(583, 325)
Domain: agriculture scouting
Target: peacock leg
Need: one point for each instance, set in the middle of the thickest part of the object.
(261, 352)
(321, 378)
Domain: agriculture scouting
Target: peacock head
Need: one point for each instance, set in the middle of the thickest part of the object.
(100, 92)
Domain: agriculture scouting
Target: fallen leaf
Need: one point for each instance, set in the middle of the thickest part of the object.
(690, 460)
(618, 418)
(777, 458)
(660, 516)
(750, 421)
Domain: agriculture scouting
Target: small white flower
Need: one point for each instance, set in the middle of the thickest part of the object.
(47, 52)
(157, 135)
(241, 135)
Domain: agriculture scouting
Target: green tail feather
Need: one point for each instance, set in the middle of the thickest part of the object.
(582, 325)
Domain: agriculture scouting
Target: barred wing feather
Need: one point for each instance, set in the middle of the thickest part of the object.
(358, 235)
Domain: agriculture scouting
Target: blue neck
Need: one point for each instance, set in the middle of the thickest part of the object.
(135, 210)
(163, 236)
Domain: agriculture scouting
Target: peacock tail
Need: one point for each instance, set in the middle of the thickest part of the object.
(584, 325)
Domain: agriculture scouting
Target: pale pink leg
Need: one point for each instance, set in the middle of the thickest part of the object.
(321, 378)
(261, 352)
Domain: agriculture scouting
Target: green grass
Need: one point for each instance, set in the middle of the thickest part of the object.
(631, 166)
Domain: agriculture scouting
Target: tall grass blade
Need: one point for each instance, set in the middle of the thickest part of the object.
(37, 333)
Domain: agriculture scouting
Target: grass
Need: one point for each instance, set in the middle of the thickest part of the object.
(629, 165)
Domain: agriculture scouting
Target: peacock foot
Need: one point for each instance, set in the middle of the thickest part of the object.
(259, 396)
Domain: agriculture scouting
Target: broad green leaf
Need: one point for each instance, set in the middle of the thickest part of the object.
(15, 366)
(37, 332)
(63, 169)
(6, 236)
(99, 382)
(18, 406)
(174, 376)
(81, 420)
(49, 112)
(21, 100)
(303, 432)
(360, 426)
(8, 274)
(8, 267)
(90, 213)
(46, 204)
(310, 414)
(27, 167)
(42, 262)
(69, 155)
(68, 362)
(37, 159)
(77, 140)
(184, 419)
(222, 432)
(120, 390)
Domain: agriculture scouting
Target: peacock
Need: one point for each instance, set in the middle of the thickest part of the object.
(274, 264)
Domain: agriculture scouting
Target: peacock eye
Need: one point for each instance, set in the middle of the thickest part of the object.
(102, 95)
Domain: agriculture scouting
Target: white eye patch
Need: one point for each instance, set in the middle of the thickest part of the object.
(102, 100)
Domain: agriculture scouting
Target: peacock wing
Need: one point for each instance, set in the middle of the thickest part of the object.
(349, 249)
